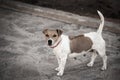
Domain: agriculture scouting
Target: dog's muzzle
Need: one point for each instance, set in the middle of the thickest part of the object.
(49, 42)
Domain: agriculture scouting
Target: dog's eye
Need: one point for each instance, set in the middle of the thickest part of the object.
(54, 35)
(47, 35)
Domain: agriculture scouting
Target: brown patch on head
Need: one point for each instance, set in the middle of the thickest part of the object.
(80, 43)
(52, 34)
(59, 31)
(44, 31)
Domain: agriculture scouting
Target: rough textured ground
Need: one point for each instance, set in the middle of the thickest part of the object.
(24, 54)
(110, 8)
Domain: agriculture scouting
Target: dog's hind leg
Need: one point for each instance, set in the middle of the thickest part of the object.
(104, 58)
(102, 53)
(104, 67)
(94, 55)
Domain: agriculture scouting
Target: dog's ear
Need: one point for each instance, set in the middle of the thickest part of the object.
(59, 32)
(44, 31)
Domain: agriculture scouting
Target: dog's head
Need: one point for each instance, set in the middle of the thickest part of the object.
(52, 36)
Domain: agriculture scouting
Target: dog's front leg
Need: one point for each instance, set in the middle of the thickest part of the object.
(62, 65)
(58, 68)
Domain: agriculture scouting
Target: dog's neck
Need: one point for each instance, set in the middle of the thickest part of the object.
(57, 42)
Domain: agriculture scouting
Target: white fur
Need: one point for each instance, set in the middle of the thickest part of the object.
(62, 51)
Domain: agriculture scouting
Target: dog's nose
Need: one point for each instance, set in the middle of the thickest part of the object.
(49, 42)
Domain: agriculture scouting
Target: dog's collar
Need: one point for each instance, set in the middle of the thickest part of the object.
(57, 43)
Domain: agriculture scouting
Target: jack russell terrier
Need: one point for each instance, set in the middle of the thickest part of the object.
(65, 46)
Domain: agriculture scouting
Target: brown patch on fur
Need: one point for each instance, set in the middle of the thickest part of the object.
(59, 31)
(80, 43)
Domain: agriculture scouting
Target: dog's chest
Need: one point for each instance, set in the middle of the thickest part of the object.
(80, 43)
(64, 46)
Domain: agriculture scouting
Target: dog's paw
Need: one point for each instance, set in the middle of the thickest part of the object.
(89, 64)
(59, 73)
(103, 68)
(57, 69)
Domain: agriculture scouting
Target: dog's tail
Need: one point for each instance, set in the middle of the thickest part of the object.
(99, 31)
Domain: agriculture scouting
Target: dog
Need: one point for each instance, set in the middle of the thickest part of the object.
(65, 46)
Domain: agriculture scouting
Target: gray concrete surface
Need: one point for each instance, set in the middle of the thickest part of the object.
(24, 54)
